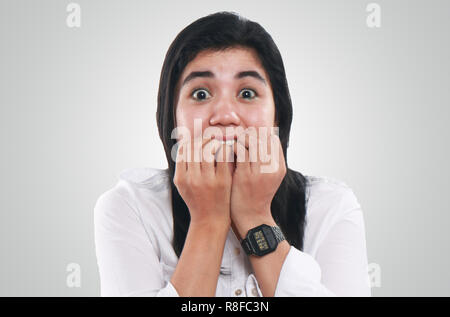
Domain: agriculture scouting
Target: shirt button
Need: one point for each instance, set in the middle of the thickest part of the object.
(254, 292)
(237, 251)
(238, 292)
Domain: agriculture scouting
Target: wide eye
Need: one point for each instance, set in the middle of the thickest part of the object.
(248, 93)
(200, 94)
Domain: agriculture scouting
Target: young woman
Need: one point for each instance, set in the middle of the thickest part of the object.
(221, 227)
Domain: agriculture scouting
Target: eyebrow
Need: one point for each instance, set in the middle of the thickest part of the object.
(247, 73)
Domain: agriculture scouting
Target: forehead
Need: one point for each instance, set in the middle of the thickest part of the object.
(226, 62)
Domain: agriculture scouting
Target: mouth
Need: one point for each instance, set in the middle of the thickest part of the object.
(228, 142)
(229, 139)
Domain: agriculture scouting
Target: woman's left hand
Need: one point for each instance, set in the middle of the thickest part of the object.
(254, 182)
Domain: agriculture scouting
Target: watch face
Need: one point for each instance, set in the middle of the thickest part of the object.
(262, 240)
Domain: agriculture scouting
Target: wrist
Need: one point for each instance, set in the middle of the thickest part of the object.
(211, 225)
(244, 225)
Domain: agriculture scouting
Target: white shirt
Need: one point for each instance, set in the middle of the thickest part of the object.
(133, 235)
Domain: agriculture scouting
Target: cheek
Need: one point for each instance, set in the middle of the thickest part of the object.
(259, 117)
(186, 117)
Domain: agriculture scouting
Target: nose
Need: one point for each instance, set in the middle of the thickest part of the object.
(224, 114)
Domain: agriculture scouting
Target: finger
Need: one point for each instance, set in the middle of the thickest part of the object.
(243, 137)
(223, 159)
(264, 147)
(180, 161)
(209, 151)
(277, 161)
(242, 156)
(276, 154)
(195, 146)
(249, 139)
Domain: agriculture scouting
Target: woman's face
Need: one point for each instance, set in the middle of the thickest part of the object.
(224, 89)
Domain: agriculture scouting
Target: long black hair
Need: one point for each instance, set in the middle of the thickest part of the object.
(220, 31)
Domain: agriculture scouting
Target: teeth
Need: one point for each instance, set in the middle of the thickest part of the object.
(228, 142)
(229, 152)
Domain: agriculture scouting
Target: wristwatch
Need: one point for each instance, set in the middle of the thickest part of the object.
(262, 240)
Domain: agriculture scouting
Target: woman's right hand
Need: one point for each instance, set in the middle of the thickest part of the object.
(205, 186)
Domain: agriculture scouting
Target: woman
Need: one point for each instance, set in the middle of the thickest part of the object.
(221, 226)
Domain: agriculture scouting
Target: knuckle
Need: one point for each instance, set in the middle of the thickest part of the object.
(192, 182)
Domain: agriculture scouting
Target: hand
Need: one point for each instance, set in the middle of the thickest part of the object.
(204, 186)
(255, 184)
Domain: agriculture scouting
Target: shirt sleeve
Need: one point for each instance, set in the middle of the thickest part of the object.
(339, 268)
(127, 261)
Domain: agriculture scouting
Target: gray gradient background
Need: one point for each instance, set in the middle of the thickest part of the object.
(371, 108)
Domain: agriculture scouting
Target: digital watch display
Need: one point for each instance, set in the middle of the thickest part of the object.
(262, 240)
